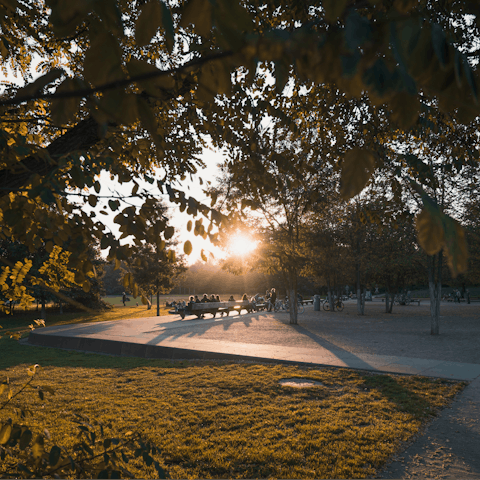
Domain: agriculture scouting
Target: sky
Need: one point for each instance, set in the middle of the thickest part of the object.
(179, 220)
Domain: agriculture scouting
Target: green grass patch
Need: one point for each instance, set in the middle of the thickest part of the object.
(22, 319)
(234, 420)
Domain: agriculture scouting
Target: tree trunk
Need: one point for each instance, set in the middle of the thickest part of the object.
(292, 296)
(392, 298)
(81, 137)
(43, 313)
(330, 297)
(158, 303)
(435, 291)
(360, 296)
(389, 297)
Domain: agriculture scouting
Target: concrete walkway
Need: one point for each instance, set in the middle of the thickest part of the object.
(400, 343)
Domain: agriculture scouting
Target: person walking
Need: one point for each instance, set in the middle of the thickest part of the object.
(124, 299)
(273, 299)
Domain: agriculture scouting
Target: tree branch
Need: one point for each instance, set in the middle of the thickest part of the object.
(84, 92)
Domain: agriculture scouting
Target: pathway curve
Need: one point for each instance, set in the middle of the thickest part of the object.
(395, 343)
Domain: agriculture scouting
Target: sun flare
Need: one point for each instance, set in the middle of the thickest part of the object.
(241, 244)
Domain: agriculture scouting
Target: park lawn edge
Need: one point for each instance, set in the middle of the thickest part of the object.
(223, 419)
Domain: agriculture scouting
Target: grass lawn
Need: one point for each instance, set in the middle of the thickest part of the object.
(229, 420)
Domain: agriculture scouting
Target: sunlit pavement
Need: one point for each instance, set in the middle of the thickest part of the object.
(262, 337)
(449, 446)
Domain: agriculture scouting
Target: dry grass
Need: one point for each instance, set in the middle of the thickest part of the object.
(230, 420)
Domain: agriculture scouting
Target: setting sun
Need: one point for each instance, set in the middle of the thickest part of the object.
(241, 244)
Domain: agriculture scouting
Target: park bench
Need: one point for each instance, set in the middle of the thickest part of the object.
(200, 309)
(417, 300)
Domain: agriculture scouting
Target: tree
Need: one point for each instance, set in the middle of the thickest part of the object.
(394, 259)
(127, 88)
(278, 169)
(153, 269)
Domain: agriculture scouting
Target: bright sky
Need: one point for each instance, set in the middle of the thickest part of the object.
(178, 219)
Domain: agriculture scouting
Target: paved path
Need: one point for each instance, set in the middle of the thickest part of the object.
(396, 343)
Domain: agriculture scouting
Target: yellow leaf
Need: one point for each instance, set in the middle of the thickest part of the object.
(126, 280)
(189, 226)
(5, 433)
(430, 233)
(32, 370)
(187, 247)
(38, 446)
(456, 249)
(357, 167)
(86, 286)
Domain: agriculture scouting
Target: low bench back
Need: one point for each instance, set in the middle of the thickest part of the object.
(211, 305)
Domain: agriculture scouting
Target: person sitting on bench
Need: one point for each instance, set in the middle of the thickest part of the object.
(231, 299)
(204, 299)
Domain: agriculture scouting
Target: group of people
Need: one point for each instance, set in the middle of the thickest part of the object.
(213, 298)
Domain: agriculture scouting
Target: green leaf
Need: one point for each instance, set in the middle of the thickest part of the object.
(92, 200)
(357, 167)
(63, 110)
(103, 60)
(198, 13)
(167, 23)
(25, 439)
(439, 43)
(334, 9)
(54, 455)
(168, 233)
(113, 204)
(37, 86)
(148, 22)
